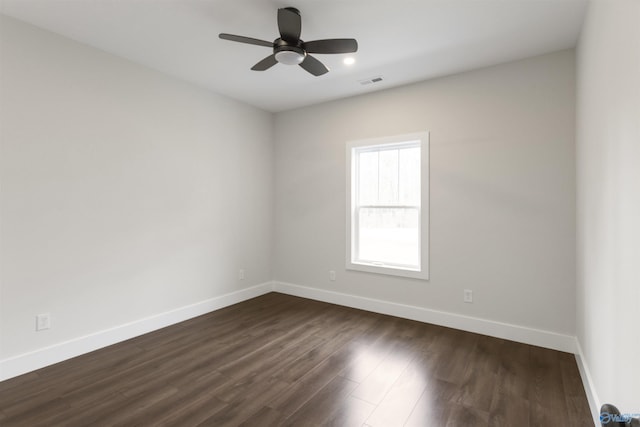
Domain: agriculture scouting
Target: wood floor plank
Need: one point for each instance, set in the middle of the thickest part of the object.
(243, 399)
(280, 360)
(174, 407)
(313, 381)
(332, 405)
(194, 412)
(36, 415)
(264, 417)
(432, 406)
(376, 386)
(274, 359)
(136, 407)
(373, 346)
(98, 413)
(399, 402)
(454, 349)
(301, 366)
(477, 391)
(468, 416)
(546, 395)
(366, 359)
(514, 373)
(576, 402)
(505, 408)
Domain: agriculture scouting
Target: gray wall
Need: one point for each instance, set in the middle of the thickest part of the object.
(608, 203)
(502, 191)
(125, 193)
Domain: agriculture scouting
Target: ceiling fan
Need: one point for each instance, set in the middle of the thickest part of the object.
(289, 49)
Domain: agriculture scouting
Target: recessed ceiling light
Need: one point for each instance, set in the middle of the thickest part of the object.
(349, 60)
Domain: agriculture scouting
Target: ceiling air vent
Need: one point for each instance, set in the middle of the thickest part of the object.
(370, 80)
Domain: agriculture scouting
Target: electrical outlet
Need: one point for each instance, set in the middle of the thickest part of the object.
(332, 275)
(43, 321)
(468, 295)
(241, 274)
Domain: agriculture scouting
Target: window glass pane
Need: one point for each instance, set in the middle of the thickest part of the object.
(409, 176)
(389, 236)
(368, 178)
(388, 177)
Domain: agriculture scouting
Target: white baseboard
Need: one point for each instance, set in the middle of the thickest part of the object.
(40, 358)
(507, 331)
(587, 383)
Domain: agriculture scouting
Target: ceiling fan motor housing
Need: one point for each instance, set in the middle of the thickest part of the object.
(287, 53)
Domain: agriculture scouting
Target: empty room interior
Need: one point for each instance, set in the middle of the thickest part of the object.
(305, 213)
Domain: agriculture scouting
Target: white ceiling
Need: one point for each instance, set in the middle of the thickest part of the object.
(402, 41)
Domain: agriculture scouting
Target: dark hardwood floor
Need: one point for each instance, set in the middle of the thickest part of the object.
(281, 360)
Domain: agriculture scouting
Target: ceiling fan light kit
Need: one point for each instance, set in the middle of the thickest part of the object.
(289, 55)
(289, 49)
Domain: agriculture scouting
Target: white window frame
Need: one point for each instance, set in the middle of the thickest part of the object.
(422, 140)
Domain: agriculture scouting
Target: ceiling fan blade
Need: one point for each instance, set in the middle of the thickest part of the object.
(243, 39)
(332, 46)
(289, 24)
(314, 66)
(265, 64)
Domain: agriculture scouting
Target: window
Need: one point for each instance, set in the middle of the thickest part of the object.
(387, 205)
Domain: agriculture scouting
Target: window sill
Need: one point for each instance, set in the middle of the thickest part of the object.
(388, 270)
